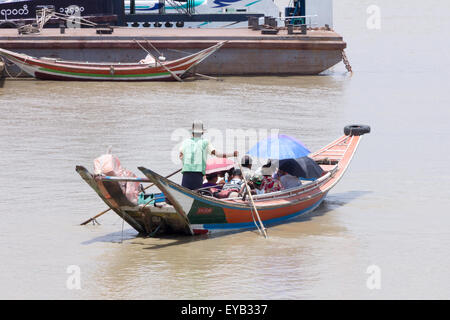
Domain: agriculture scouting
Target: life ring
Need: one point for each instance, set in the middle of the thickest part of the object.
(356, 130)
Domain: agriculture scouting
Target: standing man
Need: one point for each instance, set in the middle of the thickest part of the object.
(194, 153)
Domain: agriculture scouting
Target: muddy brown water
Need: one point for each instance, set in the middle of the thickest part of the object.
(391, 209)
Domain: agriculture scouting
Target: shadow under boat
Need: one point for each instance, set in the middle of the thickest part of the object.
(327, 206)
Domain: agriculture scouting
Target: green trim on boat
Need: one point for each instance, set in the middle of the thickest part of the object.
(106, 75)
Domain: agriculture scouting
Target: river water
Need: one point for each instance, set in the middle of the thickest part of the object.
(390, 212)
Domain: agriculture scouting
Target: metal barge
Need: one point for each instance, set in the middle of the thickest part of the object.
(247, 52)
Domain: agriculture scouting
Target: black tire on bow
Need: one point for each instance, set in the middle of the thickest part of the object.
(356, 130)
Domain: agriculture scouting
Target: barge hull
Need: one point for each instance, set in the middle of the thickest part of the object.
(246, 53)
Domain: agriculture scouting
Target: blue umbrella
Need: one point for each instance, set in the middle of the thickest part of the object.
(279, 147)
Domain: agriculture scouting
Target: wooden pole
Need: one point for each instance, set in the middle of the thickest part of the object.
(252, 202)
(151, 45)
(156, 59)
(105, 211)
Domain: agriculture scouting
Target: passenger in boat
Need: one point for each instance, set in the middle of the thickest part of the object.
(211, 186)
(194, 153)
(211, 181)
(270, 183)
(257, 183)
(246, 163)
(236, 178)
(224, 176)
(233, 187)
(288, 181)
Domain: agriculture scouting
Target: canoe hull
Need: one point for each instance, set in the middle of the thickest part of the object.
(190, 213)
(211, 215)
(269, 217)
(48, 69)
(204, 218)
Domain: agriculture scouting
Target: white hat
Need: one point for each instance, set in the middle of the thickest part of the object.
(197, 127)
(268, 171)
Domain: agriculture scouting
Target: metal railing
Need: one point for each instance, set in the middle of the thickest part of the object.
(307, 18)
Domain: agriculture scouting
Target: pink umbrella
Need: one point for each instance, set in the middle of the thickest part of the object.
(218, 164)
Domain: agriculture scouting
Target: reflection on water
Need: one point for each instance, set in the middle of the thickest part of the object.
(390, 209)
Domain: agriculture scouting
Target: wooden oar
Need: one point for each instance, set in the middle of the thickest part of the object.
(105, 211)
(251, 200)
(162, 65)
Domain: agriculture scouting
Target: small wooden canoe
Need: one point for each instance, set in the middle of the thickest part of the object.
(54, 69)
(191, 213)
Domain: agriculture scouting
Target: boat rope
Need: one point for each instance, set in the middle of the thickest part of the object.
(123, 222)
(152, 234)
(254, 221)
(151, 45)
(253, 206)
(174, 75)
(253, 215)
(181, 51)
(346, 62)
(7, 71)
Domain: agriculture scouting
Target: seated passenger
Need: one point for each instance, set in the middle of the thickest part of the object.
(210, 187)
(269, 183)
(223, 176)
(233, 187)
(235, 181)
(288, 181)
(211, 180)
(257, 182)
(247, 171)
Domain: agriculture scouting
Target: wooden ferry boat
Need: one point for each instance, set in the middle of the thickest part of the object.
(191, 213)
(54, 69)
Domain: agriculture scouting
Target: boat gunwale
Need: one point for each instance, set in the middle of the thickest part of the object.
(292, 200)
(293, 196)
(284, 194)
